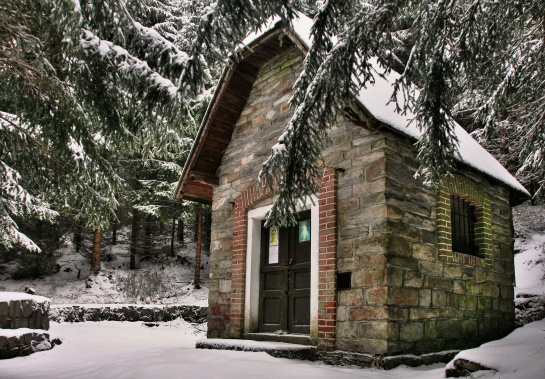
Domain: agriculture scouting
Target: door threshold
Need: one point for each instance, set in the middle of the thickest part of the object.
(300, 339)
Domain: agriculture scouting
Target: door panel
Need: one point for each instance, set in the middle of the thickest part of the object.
(285, 278)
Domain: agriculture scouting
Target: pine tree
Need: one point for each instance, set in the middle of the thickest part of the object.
(79, 82)
(446, 52)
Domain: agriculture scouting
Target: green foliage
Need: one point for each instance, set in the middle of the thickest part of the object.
(83, 84)
(482, 59)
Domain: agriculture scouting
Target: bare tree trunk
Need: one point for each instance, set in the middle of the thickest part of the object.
(147, 235)
(95, 257)
(197, 280)
(78, 236)
(114, 232)
(173, 237)
(134, 237)
(181, 230)
(207, 229)
(196, 226)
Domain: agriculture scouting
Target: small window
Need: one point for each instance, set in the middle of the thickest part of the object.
(463, 220)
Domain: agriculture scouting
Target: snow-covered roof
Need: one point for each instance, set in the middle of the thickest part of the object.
(375, 99)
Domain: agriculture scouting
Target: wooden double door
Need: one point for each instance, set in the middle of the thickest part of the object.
(284, 301)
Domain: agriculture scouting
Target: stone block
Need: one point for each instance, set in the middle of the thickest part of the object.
(376, 296)
(371, 260)
(371, 277)
(366, 313)
(375, 169)
(407, 263)
(452, 299)
(403, 296)
(370, 245)
(484, 302)
(347, 330)
(394, 276)
(470, 329)
(424, 298)
(468, 301)
(412, 279)
(439, 283)
(372, 330)
(432, 268)
(14, 309)
(453, 271)
(423, 313)
(424, 251)
(430, 329)
(448, 329)
(411, 331)
(489, 289)
(353, 297)
(399, 246)
(438, 298)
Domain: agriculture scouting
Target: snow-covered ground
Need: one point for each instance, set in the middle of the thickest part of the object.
(163, 280)
(130, 350)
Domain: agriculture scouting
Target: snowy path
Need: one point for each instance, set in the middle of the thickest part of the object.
(95, 350)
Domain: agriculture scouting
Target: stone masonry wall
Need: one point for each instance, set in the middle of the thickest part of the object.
(437, 299)
(262, 121)
(358, 152)
(404, 297)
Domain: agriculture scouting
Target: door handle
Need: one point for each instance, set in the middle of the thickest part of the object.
(290, 261)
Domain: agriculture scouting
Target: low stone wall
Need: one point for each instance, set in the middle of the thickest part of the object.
(23, 322)
(22, 342)
(21, 310)
(344, 358)
(88, 312)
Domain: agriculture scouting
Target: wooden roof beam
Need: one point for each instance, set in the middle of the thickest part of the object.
(204, 178)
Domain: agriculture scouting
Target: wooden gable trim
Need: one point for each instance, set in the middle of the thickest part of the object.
(199, 174)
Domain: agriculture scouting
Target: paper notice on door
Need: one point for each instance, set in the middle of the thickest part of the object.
(273, 254)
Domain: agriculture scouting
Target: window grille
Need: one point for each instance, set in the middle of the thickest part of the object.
(463, 219)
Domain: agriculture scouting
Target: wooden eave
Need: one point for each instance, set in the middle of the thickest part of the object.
(199, 176)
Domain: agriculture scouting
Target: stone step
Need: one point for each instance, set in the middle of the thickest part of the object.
(275, 349)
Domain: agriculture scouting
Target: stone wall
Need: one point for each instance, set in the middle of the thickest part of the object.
(24, 319)
(146, 313)
(262, 121)
(22, 342)
(437, 299)
(358, 152)
(406, 295)
(20, 310)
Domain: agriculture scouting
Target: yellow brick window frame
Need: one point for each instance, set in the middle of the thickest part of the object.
(473, 193)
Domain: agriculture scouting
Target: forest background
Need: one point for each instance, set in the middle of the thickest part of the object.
(100, 102)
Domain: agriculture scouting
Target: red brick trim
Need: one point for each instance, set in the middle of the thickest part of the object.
(327, 258)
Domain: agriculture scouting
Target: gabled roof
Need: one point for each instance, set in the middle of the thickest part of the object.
(199, 175)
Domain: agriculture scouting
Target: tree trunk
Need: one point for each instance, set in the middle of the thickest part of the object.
(134, 237)
(173, 237)
(181, 230)
(114, 233)
(197, 280)
(78, 237)
(147, 235)
(95, 257)
(196, 226)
